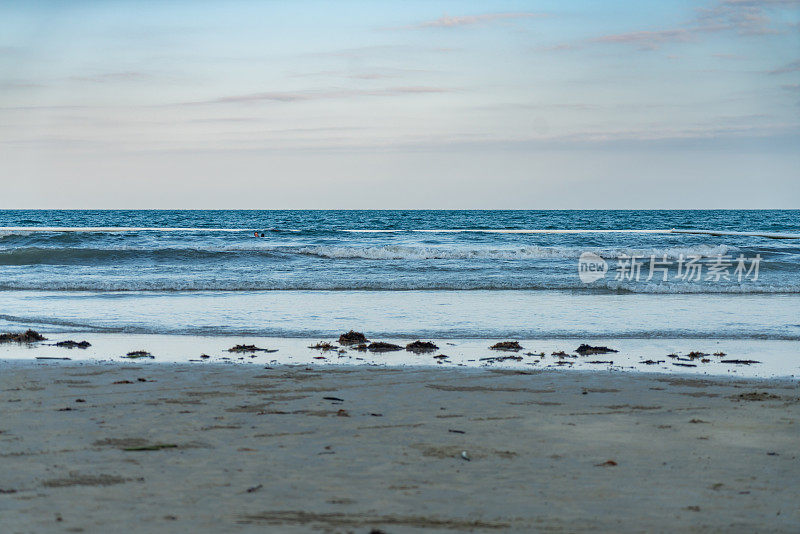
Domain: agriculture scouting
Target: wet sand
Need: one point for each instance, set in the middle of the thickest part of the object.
(116, 447)
(745, 358)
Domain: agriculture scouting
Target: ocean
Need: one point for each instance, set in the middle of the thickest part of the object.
(437, 274)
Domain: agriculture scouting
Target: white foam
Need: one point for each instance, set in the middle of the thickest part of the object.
(770, 235)
(399, 252)
(90, 229)
(513, 231)
(103, 229)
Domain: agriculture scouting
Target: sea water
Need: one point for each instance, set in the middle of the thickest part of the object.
(436, 274)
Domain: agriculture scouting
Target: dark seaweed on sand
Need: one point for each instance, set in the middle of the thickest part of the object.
(511, 346)
(29, 336)
(352, 338)
(421, 347)
(586, 350)
(380, 346)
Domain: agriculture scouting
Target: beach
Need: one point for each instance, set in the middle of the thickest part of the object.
(380, 268)
(149, 447)
(169, 371)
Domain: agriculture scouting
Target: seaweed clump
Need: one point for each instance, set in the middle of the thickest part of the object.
(29, 336)
(352, 338)
(421, 347)
(510, 346)
(587, 350)
(380, 346)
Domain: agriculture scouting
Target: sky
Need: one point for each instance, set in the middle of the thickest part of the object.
(415, 104)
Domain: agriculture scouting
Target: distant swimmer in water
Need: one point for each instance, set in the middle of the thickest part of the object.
(262, 235)
(255, 234)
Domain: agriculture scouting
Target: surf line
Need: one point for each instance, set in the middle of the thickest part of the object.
(769, 235)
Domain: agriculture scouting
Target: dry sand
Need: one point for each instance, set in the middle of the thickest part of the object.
(112, 447)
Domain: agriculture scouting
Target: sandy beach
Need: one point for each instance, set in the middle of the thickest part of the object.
(399, 267)
(115, 447)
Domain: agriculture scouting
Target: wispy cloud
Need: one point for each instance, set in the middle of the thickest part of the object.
(743, 17)
(746, 17)
(794, 66)
(381, 51)
(447, 21)
(304, 96)
(16, 84)
(477, 141)
(651, 40)
(108, 77)
(378, 73)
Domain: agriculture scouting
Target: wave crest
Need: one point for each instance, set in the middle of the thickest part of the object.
(400, 252)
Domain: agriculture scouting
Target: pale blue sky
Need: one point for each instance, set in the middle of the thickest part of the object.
(427, 104)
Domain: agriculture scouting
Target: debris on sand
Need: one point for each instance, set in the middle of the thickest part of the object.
(51, 358)
(465, 456)
(511, 346)
(69, 344)
(720, 354)
(500, 359)
(204, 356)
(249, 348)
(139, 354)
(29, 336)
(255, 488)
(421, 347)
(696, 354)
(562, 354)
(607, 463)
(685, 364)
(756, 396)
(587, 350)
(342, 413)
(380, 346)
(441, 357)
(324, 346)
(155, 447)
(353, 338)
(739, 362)
(609, 362)
(652, 362)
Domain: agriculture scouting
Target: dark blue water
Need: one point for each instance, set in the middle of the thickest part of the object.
(382, 250)
(437, 273)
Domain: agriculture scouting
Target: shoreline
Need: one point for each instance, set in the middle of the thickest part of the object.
(742, 358)
(239, 448)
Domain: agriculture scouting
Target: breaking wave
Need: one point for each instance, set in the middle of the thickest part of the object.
(164, 284)
(87, 255)
(399, 252)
